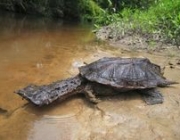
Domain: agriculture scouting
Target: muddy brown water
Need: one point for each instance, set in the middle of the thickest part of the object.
(41, 51)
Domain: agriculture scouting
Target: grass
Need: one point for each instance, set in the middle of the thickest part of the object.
(160, 21)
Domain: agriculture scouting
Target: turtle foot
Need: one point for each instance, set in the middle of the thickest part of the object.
(152, 96)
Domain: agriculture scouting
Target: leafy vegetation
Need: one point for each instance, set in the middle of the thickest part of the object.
(157, 19)
(76, 9)
(89, 9)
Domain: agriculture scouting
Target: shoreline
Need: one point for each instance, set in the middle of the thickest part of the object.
(133, 41)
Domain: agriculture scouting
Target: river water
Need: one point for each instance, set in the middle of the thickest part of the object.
(40, 51)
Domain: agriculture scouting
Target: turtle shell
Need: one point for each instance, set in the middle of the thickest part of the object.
(127, 73)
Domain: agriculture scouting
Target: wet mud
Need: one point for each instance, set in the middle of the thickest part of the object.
(47, 54)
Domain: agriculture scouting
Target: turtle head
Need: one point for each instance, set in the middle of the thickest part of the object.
(167, 83)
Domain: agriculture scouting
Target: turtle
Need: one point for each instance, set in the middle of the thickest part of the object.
(106, 76)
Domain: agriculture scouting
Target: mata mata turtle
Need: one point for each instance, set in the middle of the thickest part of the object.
(106, 76)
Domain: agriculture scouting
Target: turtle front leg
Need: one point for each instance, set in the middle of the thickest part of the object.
(90, 94)
(152, 96)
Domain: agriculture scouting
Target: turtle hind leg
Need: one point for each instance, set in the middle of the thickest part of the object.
(88, 91)
(152, 96)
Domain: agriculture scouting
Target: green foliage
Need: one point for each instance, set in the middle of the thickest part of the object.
(160, 20)
(89, 9)
(76, 9)
(169, 20)
(105, 4)
(153, 17)
(135, 4)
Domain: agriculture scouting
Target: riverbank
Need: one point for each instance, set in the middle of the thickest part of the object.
(132, 40)
(155, 26)
(39, 51)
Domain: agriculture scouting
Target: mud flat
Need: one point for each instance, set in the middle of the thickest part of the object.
(60, 51)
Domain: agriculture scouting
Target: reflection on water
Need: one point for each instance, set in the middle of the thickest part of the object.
(36, 50)
(28, 46)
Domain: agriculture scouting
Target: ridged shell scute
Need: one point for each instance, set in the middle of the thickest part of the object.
(128, 73)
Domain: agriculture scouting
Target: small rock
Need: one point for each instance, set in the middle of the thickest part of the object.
(170, 63)
(172, 66)
(178, 62)
(2, 111)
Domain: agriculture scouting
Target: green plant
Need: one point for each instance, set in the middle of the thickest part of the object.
(160, 21)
